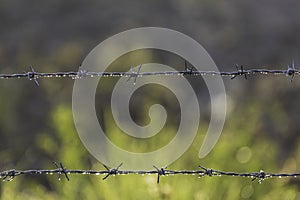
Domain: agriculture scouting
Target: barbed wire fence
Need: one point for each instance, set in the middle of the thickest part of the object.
(9, 175)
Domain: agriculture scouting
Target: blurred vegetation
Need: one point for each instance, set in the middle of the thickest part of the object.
(261, 130)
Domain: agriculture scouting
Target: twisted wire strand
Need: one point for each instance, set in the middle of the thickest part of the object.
(33, 75)
(202, 172)
(81, 74)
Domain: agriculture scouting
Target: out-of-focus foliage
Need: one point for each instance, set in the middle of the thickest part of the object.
(261, 130)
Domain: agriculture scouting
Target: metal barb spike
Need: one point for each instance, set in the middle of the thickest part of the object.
(208, 172)
(32, 75)
(61, 169)
(113, 171)
(133, 74)
(188, 69)
(81, 73)
(160, 172)
(261, 176)
(240, 72)
(291, 71)
(11, 174)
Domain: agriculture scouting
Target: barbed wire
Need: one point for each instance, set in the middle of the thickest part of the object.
(260, 176)
(189, 70)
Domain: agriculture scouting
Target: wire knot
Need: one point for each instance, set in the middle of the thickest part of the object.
(240, 72)
(261, 176)
(61, 170)
(160, 172)
(11, 174)
(81, 73)
(207, 172)
(113, 171)
(133, 74)
(291, 71)
(32, 75)
(188, 69)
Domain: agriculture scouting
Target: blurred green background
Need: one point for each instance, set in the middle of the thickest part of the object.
(261, 129)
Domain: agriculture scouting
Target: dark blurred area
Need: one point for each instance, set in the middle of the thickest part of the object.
(57, 35)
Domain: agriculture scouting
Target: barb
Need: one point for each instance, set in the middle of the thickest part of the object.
(113, 171)
(60, 169)
(188, 68)
(133, 74)
(240, 72)
(32, 75)
(160, 172)
(291, 71)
